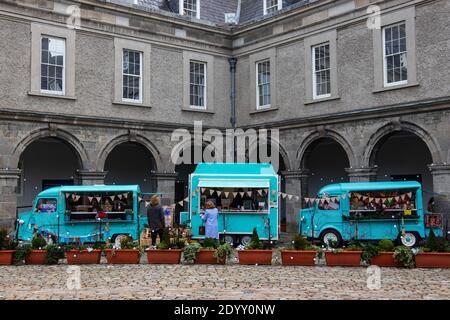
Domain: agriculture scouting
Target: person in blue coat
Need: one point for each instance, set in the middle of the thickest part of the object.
(210, 219)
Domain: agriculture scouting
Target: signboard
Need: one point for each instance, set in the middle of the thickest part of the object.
(433, 220)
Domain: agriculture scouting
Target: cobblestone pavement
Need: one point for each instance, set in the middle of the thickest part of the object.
(220, 282)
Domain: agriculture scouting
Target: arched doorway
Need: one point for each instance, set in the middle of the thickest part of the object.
(402, 155)
(131, 163)
(325, 160)
(45, 163)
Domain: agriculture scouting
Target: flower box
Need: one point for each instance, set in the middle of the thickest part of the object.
(385, 259)
(432, 260)
(122, 256)
(205, 256)
(343, 258)
(164, 256)
(83, 257)
(36, 257)
(7, 257)
(298, 257)
(255, 257)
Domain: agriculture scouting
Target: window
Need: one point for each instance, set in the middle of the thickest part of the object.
(271, 6)
(190, 8)
(321, 71)
(197, 84)
(263, 84)
(46, 205)
(52, 65)
(131, 75)
(394, 54)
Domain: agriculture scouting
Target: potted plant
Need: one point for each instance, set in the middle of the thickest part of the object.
(381, 255)
(82, 254)
(209, 253)
(434, 254)
(404, 256)
(7, 248)
(347, 256)
(128, 252)
(39, 252)
(168, 251)
(300, 253)
(254, 252)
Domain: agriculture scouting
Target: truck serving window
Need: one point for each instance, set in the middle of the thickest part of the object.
(329, 204)
(236, 199)
(46, 205)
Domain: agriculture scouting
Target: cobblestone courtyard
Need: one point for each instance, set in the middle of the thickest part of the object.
(220, 282)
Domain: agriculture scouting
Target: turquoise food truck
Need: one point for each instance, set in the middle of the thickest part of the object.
(84, 214)
(246, 195)
(369, 211)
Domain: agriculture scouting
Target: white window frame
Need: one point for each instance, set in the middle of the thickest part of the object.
(395, 83)
(313, 71)
(279, 6)
(63, 91)
(141, 56)
(205, 91)
(182, 12)
(266, 106)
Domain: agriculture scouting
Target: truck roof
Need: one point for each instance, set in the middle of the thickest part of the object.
(234, 168)
(55, 191)
(338, 188)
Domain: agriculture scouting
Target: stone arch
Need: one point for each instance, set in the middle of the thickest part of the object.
(66, 137)
(376, 140)
(141, 140)
(282, 150)
(316, 135)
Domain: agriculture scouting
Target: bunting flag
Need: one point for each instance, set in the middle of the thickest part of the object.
(147, 203)
(279, 194)
(73, 196)
(203, 190)
(226, 194)
(242, 194)
(260, 192)
(140, 199)
(219, 192)
(234, 194)
(186, 199)
(290, 196)
(211, 192)
(249, 193)
(283, 195)
(409, 194)
(77, 198)
(67, 195)
(120, 196)
(403, 196)
(90, 199)
(297, 198)
(180, 203)
(100, 198)
(397, 198)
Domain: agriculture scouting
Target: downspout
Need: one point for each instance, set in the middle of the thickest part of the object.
(232, 62)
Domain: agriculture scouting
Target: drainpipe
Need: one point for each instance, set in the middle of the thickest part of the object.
(232, 62)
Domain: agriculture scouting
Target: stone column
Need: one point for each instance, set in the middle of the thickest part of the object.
(166, 185)
(89, 178)
(441, 187)
(293, 182)
(362, 174)
(8, 197)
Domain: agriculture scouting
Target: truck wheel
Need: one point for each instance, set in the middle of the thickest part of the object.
(330, 236)
(229, 239)
(410, 239)
(118, 238)
(245, 240)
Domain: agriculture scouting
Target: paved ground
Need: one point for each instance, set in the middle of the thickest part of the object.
(220, 282)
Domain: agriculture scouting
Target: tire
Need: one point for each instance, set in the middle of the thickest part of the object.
(230, 239)
(117, 238)
(330, 234)
(411, 239)
(245, 240)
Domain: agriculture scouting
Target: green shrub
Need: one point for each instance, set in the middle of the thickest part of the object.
(369, 251)
(255, 244)
(22, 252)
(6, 243)
(434, 244)
(54, 253)
(354, 246)
(386, 245)
(210, 243)
(224, 250)
(38, 243)
(300, 242)
(405, 256)
(190, 252)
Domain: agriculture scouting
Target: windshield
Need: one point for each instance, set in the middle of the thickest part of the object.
(46, 205)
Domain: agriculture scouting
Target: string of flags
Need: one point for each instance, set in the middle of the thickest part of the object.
(403, 196)
(75, 197)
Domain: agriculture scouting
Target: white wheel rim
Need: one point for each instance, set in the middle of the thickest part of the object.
(119, 239)
(229, 240)
(409, 239)
(246, 240)
(329, 237)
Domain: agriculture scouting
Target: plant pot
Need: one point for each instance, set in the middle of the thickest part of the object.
(298, 257)
(164, 256)
(83, 257)
(385, 259)
(344, 258)
(37, 257)
(205, 256)
(7, 257)
(432, 260)
(122, 256)
(255, 257)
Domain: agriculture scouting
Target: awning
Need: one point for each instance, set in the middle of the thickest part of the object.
(231, 183)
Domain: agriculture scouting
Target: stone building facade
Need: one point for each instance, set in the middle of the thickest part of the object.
(361, 129)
